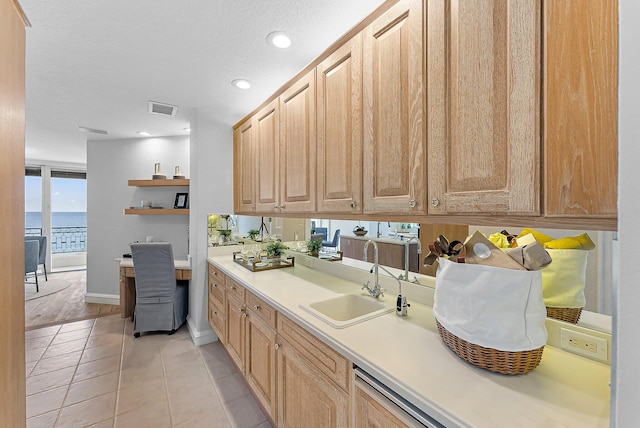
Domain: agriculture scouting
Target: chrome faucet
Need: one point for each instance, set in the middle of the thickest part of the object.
(376, 291)
(407, 244)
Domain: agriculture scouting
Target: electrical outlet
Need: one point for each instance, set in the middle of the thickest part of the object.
(584, 344)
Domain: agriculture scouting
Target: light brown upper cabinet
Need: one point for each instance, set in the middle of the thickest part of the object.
(483, 74)
(394, 144)
(267, 161)
(339, 129)
(298, 146)
(244, 168)
(580, 110)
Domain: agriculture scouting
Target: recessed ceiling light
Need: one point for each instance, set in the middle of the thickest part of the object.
(241, 84)
(144, 133)
(187, 130)
(279, 39)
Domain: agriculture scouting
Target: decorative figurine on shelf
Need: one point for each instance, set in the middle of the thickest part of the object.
(157, 174)
(177, 175)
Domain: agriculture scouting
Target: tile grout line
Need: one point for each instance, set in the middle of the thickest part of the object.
(166, 386)
(74, 371)
(115, 409)
(215, 387)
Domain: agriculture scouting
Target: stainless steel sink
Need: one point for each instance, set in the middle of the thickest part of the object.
(348, 309)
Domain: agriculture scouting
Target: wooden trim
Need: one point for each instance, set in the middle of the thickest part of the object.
(159, 183)
(21, 14)
(342, 40)
(159, 211)
(12, 126)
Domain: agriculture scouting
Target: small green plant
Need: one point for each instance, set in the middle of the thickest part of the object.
(224, 232)
(314, 247)
(275, 249)
(253, 234)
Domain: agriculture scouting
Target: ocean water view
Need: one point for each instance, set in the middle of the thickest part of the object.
(33, 219)
(68, 230)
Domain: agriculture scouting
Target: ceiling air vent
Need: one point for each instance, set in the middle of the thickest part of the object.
(92, 130)
(163, 109)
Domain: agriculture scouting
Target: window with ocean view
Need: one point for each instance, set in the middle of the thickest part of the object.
(68, 201)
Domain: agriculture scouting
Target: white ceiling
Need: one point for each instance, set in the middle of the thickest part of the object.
(97, 63)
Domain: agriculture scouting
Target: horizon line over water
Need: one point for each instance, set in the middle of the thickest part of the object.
(33, 219)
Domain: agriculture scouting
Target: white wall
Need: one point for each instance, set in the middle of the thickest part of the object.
(110, 164)
(626, 375)
(211, 193)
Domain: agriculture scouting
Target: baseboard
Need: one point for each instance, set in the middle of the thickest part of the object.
(103, 299)
(200, 338)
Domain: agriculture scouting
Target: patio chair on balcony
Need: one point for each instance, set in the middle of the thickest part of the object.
(31, 260)
(42, 254)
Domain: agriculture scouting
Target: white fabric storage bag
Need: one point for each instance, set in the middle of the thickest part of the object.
(492, 307)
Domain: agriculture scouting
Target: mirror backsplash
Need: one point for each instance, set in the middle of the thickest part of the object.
(391, 236)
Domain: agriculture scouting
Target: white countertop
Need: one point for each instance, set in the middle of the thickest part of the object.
(385, 239)
(408, 356)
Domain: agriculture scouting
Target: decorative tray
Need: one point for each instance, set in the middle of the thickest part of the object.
(257, 265)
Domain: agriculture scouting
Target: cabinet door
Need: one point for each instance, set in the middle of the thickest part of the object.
(235, 316)
(483, 74)
(298, 146)
(260, 361)
(339, 128)
(243, 168)
(306, 397)
(580, 110)
(394, 153)
(374, 410)
(267, 145)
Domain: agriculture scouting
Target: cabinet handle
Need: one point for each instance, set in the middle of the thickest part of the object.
(256, 307)
(240, 310)
(275, 207)
(435, 202)
(353, 204)
(215, 285)
(232, 287)
(244, 315)
(277, 346)
(412, 203)
(281, 206)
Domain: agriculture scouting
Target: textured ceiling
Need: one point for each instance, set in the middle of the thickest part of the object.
(98, 63)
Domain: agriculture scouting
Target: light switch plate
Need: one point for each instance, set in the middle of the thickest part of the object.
(584, 344)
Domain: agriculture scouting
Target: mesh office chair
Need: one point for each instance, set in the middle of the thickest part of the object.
(31, 260)
(161, 305)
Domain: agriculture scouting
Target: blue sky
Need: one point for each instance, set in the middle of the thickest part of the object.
(67, 194)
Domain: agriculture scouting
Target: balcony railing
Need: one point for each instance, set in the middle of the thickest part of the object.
(64, 239)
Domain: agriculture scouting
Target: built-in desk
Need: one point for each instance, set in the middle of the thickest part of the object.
(128, 283)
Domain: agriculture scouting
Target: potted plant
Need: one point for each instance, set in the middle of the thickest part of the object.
(253, 234)
(314, 247)
(275, 249)
(224, 235)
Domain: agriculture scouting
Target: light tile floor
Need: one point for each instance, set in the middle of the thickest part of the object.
(94, 373)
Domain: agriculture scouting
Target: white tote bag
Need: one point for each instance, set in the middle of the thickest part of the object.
(563, 280)
(492, 307)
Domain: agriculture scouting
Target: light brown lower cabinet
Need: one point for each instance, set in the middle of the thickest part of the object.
(235, 330)
(373, 410)
(260, 354)
(306, 396)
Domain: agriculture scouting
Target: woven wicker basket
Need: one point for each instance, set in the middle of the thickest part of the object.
(571, 315)
(505, 362)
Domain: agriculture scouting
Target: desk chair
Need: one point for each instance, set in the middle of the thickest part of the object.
(160, 304)
(31, 260)
(334, 243)
(320, 230)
